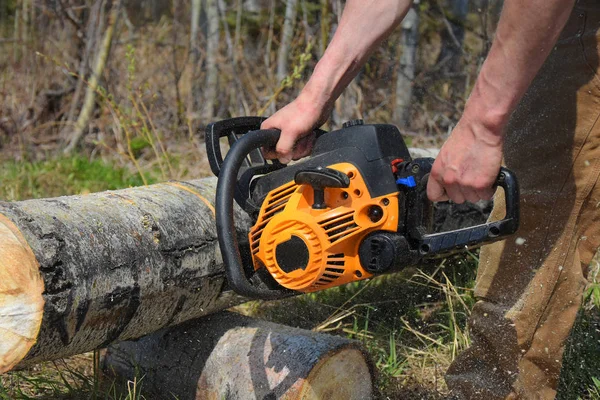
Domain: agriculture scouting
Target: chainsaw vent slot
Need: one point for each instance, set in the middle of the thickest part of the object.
(275, 203)
(334, 261)
(339, 226)
(333, 270)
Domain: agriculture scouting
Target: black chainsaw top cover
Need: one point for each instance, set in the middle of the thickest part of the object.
(371, 148)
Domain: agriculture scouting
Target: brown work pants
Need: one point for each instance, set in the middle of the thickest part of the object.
(529, 288)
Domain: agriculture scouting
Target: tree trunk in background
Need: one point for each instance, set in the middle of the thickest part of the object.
(90, 35)
(16, 36)
(453, 36)
(324, 26)
(212, 52)
(252, 6)
(239, 10)
(90, 94)
(194, 100)
(107, 267)
(229, 356)
(25, 26)
(287, 34)
(406, 70)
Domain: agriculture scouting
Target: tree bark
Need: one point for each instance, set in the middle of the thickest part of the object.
(229, 356)
(406, 71)
(252, 6)
(115, 266)
(287, 34)
(25, 27)
(90, 94)
(212, 50)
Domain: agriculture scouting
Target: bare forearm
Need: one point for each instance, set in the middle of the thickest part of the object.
(526, 34)
(364, 24)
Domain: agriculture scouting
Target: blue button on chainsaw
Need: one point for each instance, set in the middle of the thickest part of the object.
(408, 181)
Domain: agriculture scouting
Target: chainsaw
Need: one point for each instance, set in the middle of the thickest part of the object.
(355, 208)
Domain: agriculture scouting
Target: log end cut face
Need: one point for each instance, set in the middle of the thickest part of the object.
(21, 301)
(344, 375)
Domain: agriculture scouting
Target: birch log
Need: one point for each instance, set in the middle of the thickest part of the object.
(78, 273)
(229, 356)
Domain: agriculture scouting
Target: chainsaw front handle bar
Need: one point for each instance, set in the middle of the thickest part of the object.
(474, 236)
(226, 187)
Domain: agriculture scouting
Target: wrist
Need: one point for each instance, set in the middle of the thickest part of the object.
(488, 108)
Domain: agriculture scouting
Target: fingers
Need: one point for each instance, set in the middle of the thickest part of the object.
(446, 184)
(435, 190)
(486, 194)
(296, 139)
(304, 146)
(301, 148)
(285, 147)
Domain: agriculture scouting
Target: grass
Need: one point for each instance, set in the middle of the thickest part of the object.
(61, 176)
(75, 378)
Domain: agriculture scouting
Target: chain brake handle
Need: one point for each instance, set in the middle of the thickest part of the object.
(235, 269)
(449, 242)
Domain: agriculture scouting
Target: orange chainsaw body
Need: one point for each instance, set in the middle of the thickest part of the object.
(328, 254)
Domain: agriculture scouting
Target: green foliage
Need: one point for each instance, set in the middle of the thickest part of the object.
(138, 144)
(61, 176)
(581, 364)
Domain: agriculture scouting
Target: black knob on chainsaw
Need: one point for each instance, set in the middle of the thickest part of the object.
(321, 178)
(353, 122)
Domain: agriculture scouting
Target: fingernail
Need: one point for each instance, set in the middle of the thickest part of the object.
(285, 160)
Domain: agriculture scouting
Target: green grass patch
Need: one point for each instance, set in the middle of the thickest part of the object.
(62, 176)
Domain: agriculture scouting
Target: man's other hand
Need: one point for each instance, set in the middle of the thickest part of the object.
(467, 165)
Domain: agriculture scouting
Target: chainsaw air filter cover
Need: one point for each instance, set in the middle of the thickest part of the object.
(306, 248)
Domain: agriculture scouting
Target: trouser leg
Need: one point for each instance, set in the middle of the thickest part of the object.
(529, 292)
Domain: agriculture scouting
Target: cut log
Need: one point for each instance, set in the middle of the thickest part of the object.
(229, 356)
(106, 267)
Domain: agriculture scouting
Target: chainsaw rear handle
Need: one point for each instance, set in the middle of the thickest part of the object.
(226, 187)
(445, 242)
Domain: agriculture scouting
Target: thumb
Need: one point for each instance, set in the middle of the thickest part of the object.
(285, 146)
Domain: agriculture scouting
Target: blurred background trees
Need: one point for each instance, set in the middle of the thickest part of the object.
(113, 77)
